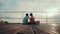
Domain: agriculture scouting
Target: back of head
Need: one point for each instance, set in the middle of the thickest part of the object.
(26, 14)
(31, 14)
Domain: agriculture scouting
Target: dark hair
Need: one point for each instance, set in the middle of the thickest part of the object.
(31, 14)
(26, 14)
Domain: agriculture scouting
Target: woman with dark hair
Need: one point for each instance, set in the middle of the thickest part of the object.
(32, 19)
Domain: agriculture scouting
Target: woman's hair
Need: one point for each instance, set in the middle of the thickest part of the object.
(31, 14)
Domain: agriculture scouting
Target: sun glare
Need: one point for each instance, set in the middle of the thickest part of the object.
(52, 11)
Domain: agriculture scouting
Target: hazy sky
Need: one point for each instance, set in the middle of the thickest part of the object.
(29, 5)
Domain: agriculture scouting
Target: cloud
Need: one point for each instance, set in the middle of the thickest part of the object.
(26, 5)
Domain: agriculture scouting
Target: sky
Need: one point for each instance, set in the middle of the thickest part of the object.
(29, 5)
(38, 7)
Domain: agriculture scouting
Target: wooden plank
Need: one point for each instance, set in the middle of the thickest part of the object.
(15, 28)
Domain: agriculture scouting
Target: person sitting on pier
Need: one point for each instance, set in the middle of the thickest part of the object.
(32, 19)
(25, 19)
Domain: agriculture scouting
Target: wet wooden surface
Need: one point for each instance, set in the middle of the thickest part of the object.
(29, 29)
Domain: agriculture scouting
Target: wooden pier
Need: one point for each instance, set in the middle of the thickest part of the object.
(29, 29)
